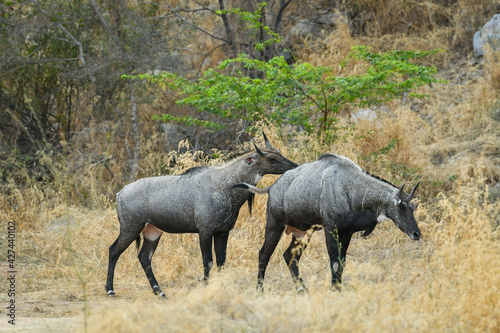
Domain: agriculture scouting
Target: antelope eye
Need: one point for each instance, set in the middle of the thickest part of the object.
(271, 159)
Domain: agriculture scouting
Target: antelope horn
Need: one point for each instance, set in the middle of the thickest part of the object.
(268, 144)
(413, 190)
(261, 153)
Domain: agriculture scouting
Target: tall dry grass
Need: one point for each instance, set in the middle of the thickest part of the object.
(448, 281)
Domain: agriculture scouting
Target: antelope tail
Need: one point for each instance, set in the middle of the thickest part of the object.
(251, 188)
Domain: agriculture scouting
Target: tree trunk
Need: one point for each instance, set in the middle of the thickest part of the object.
(134, 154)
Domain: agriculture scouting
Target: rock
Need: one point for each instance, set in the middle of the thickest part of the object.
(364, 114)
(287, 55)
(489, 34)
(330, 19)
(321, 22)
(173, 135)
(304, 28)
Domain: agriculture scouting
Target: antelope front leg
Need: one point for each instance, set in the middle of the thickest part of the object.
(220, 245)
(337, 244)
(334, 252)
(206, 252)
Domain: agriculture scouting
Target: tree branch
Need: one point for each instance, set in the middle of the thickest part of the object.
(206, 55)
(134, 159)
(279, 16)
(104, 24)
(73, 38)
(195, 26)
(227, 27)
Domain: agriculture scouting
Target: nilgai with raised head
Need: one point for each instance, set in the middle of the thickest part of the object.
(336, 194)
(201, 200)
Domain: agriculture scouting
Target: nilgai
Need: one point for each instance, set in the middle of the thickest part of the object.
(336, 194)
(201, 200)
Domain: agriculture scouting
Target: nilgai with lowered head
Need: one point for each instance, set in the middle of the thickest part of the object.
(336, 194)
(201, 200)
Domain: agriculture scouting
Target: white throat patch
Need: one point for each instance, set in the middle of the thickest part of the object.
(257, 178)
(382, 217)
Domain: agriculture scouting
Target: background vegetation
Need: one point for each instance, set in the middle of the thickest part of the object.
(73, 132)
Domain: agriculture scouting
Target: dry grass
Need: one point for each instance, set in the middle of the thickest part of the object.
(448, 281)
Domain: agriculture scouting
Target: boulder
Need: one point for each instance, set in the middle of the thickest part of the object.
(489, 34)
(304, 28)
(330, 19)
(364, 114)
(173, 135)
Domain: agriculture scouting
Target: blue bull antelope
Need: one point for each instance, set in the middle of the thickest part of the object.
(199, 201)
(336, 194)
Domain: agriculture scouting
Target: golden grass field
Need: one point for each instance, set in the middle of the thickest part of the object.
(449, 281)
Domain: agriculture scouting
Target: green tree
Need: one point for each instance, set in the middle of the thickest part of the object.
(303, 95)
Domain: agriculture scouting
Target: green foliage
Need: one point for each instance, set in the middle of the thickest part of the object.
(385, 150)
(303, 95)
(387, 75)
(190, 121)
(255, 23)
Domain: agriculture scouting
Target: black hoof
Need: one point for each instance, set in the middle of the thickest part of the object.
(157, 291)
(336, 287)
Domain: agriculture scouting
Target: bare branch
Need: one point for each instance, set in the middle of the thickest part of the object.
(73, 38)
(279, 16)
(195, 26)
(229, 32)
(206, 55)
(104, 24)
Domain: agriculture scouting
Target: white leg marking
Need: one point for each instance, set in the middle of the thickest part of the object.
(335, 267)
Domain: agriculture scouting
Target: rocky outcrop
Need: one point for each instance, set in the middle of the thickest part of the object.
(488, 35)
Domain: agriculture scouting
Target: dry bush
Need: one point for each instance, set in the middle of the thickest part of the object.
(492, 67)
(329, 50)
(451, 23)
(403, 25)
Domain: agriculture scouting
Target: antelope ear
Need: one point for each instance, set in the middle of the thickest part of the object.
(401, 191)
